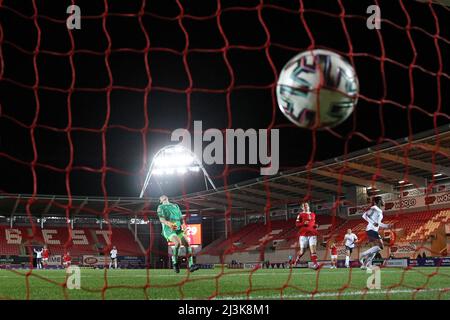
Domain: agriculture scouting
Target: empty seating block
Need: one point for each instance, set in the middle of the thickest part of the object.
(82, 241)
(414, 226)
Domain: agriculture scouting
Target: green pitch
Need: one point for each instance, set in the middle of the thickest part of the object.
(227, 284)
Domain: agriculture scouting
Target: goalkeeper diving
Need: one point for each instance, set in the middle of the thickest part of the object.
(173, 228)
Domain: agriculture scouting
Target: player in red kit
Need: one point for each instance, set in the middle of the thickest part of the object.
(67, 260)
(306, 222)
(45, 256)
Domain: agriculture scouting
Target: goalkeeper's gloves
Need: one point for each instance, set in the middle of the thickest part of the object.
(173, 226)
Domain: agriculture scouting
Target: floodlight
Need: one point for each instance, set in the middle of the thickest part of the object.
(174, 159)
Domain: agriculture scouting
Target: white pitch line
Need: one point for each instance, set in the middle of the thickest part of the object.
(292, 296)
(335, 294)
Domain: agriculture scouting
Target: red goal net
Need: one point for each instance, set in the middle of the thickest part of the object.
(82, 112)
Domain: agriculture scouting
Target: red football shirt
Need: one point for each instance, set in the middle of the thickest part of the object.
(67, 258)
(45, 253)
(334, 251)
(307, 224)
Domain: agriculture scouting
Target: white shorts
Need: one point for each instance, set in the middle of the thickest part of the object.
(306, 241)
(44, 259)
(334, 257)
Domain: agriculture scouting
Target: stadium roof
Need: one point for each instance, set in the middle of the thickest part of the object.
(413, 161)
(387, 167)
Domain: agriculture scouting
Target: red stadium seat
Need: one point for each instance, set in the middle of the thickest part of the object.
(84, 241)
(415, 226)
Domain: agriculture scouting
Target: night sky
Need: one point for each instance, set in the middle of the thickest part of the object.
(82, 112)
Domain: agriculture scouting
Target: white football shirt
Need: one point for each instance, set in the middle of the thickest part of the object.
(113, 253)
(350, 239)
(372, 216)
(38, 254)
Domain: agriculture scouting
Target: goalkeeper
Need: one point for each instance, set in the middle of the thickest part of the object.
(173, 228)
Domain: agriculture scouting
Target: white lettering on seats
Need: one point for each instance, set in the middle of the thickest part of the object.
(79, 237)
(13, 236)
(106, 234)
(47, 235)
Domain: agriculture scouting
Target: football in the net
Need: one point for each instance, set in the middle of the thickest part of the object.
(317, 89)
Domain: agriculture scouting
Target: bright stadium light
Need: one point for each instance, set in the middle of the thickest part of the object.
(169, 171)
(158, 172)
(174, 160)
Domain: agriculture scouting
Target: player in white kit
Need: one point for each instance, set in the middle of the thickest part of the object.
(38, 258)
(350, 240)
(373, 216)
(113, 255)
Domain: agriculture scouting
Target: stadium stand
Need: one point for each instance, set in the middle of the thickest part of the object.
(425, 229)
(125, 241)
(85, 241)
(282, 234)
(409, 226)
(5, 247)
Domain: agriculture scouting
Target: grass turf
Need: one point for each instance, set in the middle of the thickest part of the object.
(227, 284)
